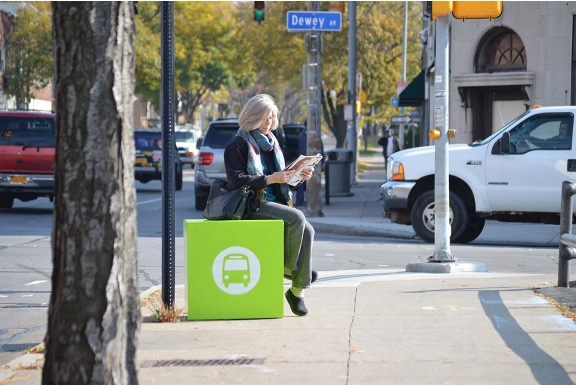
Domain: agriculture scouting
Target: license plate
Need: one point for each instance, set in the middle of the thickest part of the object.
(17, 179)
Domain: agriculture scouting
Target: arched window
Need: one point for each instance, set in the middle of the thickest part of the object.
(501, 49)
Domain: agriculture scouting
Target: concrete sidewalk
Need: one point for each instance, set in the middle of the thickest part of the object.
(371, 326)
(378, 327)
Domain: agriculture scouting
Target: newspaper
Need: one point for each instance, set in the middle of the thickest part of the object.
(300, 163)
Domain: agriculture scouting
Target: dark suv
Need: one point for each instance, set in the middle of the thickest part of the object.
(27, 151)
(210, 161)
(148, 165)
(294, 144)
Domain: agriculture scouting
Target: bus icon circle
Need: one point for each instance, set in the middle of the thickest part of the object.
(236, 270)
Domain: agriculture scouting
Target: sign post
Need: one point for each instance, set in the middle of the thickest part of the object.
(352, 126)
(313, 22)
(168, 224)
(442, 229)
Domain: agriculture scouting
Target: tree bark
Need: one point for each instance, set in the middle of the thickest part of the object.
(334, 118)
(94, 313)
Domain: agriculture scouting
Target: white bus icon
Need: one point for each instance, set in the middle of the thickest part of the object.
(236, 270)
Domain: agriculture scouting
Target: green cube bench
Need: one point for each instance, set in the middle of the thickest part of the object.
(234, 269)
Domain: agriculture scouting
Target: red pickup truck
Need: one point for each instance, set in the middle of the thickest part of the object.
(27, 156)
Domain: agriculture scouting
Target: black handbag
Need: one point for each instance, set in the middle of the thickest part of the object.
(225, 204)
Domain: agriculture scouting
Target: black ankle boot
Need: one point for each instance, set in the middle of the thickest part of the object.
(296, 304)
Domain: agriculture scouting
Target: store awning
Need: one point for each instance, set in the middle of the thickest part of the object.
(413, 94)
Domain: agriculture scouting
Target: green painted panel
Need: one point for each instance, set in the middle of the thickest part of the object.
(234, 269)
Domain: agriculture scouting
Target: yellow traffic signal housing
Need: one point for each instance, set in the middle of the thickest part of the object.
(441, 8)
(476, 9)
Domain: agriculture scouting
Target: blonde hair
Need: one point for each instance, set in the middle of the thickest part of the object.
(256, 110)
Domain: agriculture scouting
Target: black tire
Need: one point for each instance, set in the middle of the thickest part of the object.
(6, 202)
(473, 230)
(179, 180)
(423, 216)
(201, 202)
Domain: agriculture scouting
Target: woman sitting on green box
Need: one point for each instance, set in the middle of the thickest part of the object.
(254, 158)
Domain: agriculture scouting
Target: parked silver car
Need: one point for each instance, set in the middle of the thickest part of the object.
(210, 160)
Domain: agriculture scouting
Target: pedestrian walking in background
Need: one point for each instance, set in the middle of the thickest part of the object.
(389, 143)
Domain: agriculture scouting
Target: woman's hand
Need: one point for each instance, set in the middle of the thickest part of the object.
(279, 177)
(307, 173)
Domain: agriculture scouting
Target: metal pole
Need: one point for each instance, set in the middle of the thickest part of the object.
(313, 47)
(404, 44)
(351, 134)
(564, 255)
(168, 148)
(441, 121)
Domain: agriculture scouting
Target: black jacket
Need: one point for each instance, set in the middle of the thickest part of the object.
(383, 141)
(236, 163)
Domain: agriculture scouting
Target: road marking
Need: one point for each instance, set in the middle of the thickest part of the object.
(36, 282)
(149, 201)
(352, 278)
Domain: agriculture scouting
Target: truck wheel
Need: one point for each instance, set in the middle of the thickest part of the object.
(424, 218)
(6, 202)
(473, 230)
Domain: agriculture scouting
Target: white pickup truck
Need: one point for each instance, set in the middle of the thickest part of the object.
(514, 175)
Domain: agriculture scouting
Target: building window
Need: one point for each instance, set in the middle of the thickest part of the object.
(501, 49)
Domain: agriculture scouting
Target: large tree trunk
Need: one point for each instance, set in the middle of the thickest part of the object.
(94, 312)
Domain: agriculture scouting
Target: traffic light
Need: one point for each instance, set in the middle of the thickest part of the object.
(259, 11)
(441, 8)
(477, 9)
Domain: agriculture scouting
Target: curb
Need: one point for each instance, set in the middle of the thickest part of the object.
(358, 230)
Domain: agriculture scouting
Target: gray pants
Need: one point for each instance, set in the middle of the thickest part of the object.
(298, 239)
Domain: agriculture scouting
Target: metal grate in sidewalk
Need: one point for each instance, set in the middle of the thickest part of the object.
(203, 362)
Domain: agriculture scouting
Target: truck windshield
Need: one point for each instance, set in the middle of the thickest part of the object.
(27, 131)
(505, 127)
(148, 141)
(184, 136)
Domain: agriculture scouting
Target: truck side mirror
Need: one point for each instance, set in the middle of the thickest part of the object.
(505, 143)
